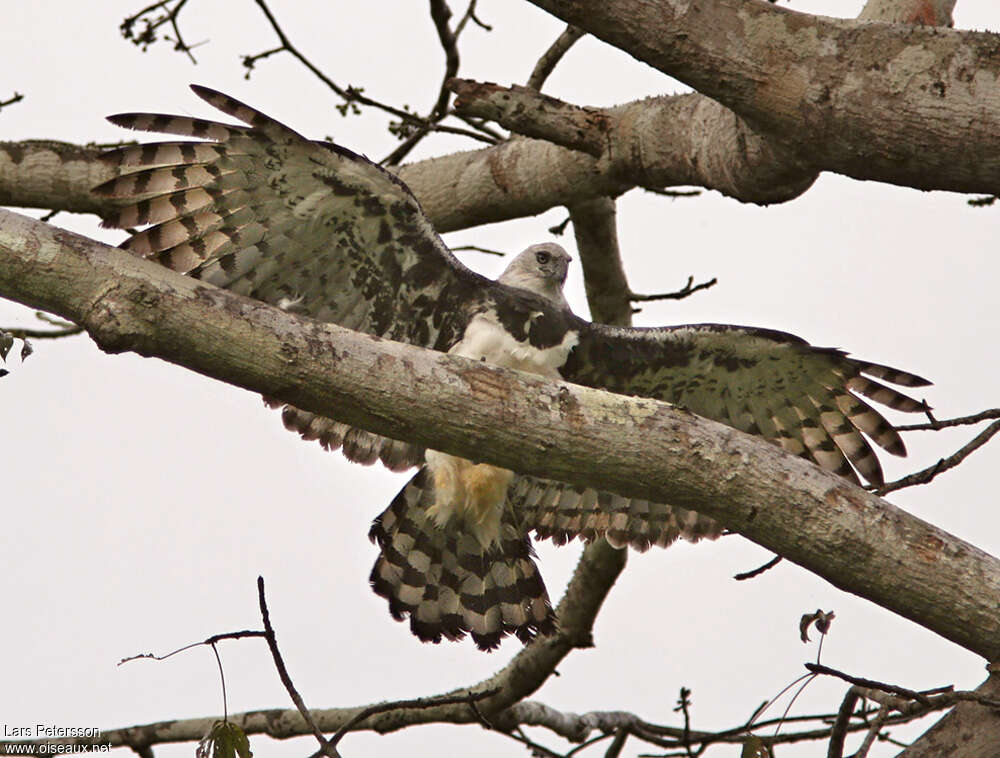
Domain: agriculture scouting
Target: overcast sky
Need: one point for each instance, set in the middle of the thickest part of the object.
(141, 501)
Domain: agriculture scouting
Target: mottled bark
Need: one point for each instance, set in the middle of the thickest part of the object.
(968, 731)
(638, 447)
(916, 106)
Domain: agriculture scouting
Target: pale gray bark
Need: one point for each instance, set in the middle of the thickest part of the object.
(916, 106)
(638, 447)
(969, 731)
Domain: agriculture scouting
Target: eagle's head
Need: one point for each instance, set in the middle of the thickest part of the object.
(541, 269)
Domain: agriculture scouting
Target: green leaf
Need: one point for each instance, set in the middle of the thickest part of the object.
(6, 343)
(224, 740)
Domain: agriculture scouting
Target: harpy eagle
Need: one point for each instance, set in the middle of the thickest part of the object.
(317, 229)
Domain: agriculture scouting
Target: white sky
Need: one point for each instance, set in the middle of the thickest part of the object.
(141, 501)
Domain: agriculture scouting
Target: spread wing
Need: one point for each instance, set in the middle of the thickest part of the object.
(308, 226)
(319, 230)
(808, 400)
(763, 382)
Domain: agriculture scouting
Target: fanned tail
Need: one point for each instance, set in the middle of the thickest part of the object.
(448, 583)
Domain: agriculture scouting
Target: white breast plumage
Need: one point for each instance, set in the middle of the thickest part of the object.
(486, 339)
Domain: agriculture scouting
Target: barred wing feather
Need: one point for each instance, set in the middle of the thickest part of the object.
(308, 226)
(760, 381)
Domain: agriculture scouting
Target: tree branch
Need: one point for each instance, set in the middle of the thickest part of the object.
(928, 474)
(918, 107)
(649, 143)
(636, 447)
(595, 230)
(551, 57)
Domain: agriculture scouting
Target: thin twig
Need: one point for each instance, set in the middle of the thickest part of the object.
(928, 474)
(672, 193)
(441, 15)
(210, 641)
(39, 334)
(934, 699)
(417, 703)
(744, 575)
(325, 748)
(936, 424)
(838, 732)
(148, 35)
(15, 98)
(680, 294)
(349, 94)
(537, 749)
(818, 668)
(352, 96)
(683, 705)
(478, 249)
(615, 748)
(772, 701)
(791, 702)
(222, 678)
(547, 63)
(470, 15)
(873, 731)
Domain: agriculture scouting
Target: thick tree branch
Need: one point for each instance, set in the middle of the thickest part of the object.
(655, 142)
(914, 106)
(637, 447)
(595, 229)
(48, 174)
(660, 142)
(969, 731)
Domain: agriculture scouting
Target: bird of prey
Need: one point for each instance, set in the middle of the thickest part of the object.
(317, 229)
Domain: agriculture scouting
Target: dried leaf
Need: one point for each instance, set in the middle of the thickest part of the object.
(26, 350)
(821, 619)
(754, 747)
(6, 343)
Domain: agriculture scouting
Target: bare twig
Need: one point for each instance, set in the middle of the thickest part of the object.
(743, 575)
(547, 63)
(147, 36)
(928, 474)
(222, 678)
(64, 329)
(470, 15)
(838, 732)
(471, 698)
(210, 641)
(15, 98)
(817, 668)
(615, 748)
(934, 699)
(873, 732)
(352, 96)
(934, 424)
(478, 249)
(672, 193)
(684, 705)
(441, 15)
(325, 748)
(685, 291)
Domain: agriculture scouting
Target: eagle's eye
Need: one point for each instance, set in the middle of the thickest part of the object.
(543, 257)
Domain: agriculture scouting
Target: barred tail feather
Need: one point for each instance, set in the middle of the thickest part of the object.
(448, 583)
(563, 512)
